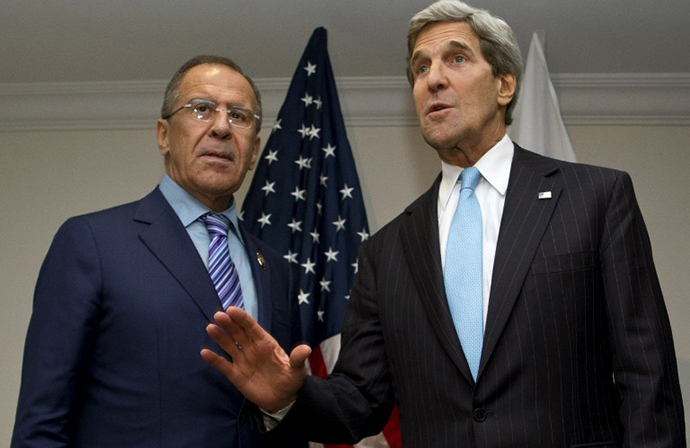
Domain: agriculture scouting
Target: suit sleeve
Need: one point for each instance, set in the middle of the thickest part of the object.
(645, 370)
(59, 339)
(356, 400)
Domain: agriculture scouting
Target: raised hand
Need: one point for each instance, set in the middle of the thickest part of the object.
(260, 368)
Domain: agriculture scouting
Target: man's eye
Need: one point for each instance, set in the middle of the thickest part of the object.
(238, 116)
(201, 108)
(459, 59)
(422, 69)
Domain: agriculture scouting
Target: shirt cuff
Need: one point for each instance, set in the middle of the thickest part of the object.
(272, 420)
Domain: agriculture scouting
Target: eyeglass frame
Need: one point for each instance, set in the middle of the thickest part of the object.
(215, 110)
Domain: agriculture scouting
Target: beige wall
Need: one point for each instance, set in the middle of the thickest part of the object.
(46, 177)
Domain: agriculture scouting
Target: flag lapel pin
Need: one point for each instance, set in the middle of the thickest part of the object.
(544, 195)
(260, 259)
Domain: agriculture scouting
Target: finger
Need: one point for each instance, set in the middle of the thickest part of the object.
(299, 355)
(230, 327)
(223, 365)
(250, 330)
(224, 340)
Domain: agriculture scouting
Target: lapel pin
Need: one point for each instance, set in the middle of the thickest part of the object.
(260, 259)
(544, 195)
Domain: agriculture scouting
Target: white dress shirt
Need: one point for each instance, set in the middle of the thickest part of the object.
(491, 194)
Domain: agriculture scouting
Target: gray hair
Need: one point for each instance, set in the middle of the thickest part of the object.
(172, 92)
(496, 39)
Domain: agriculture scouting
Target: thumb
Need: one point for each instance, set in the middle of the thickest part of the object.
(299, 355)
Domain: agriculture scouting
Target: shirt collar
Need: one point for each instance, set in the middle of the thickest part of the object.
(189, 209)
(494, 166)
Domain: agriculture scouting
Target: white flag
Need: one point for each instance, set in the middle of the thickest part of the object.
(537, 123)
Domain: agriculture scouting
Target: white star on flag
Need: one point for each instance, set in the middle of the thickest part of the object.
(276, 126)
(295, 225)
(299, 194)
(268, 188)
(331, 255)
(339, 224)
(314, 132)
(303, 162)
(302, 297)
(307, 99)
(291, 257)
(304, 131)
(347, 192)
(363, 234)
(271, 156)
(320, 315)
(315, 236)
(309, 267)
(325, 285)
(329, 150)
(264, 220)
(310, 68)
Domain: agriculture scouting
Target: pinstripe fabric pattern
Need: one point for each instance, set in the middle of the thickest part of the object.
(577, 348)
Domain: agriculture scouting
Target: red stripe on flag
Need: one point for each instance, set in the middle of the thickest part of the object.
(392, 429)
(317, 364)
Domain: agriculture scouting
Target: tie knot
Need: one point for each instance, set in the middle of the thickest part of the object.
(216, 224)
(470, 178)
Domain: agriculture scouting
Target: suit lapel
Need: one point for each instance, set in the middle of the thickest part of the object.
(261, 272)
(419, 235)
(167, 239)
(525, 218)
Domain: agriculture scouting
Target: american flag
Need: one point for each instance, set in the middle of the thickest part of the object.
(306, 202)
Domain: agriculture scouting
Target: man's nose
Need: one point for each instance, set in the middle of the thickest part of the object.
(220, 125)
(436, 78)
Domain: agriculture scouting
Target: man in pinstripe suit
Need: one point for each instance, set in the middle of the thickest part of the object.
(577, 347)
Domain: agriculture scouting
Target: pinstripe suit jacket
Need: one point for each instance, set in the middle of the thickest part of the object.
(577, 346)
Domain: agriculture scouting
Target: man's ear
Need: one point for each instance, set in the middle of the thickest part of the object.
(255, 152)
(506, 85)
(162, 133)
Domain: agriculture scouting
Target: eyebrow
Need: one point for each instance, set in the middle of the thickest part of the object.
(455, 44)
(449, 45)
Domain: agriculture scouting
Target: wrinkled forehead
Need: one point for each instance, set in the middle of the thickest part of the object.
(218, 83)
(444, 36)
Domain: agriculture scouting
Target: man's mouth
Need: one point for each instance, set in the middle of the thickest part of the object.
(436, 107)
(225, 155)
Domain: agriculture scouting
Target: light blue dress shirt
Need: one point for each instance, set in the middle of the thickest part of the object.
(189, 209)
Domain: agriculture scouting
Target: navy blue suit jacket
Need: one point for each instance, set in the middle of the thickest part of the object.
(112, 351)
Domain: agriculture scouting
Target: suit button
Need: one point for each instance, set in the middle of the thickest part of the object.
(479, 414)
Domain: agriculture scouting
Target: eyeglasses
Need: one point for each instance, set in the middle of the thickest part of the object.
(205, 110)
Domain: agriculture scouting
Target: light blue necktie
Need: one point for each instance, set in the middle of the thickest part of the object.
(220, 266)
(463, 270)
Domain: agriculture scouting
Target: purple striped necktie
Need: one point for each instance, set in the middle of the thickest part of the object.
(220, 266)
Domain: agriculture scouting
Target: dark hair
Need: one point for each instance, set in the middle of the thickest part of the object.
(172, 92)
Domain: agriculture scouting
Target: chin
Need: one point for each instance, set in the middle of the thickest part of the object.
(440, 141)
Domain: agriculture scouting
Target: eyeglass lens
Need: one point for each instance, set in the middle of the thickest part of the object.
(237, 115)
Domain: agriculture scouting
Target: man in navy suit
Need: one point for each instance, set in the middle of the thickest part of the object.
(575, 345)
(112, 350)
